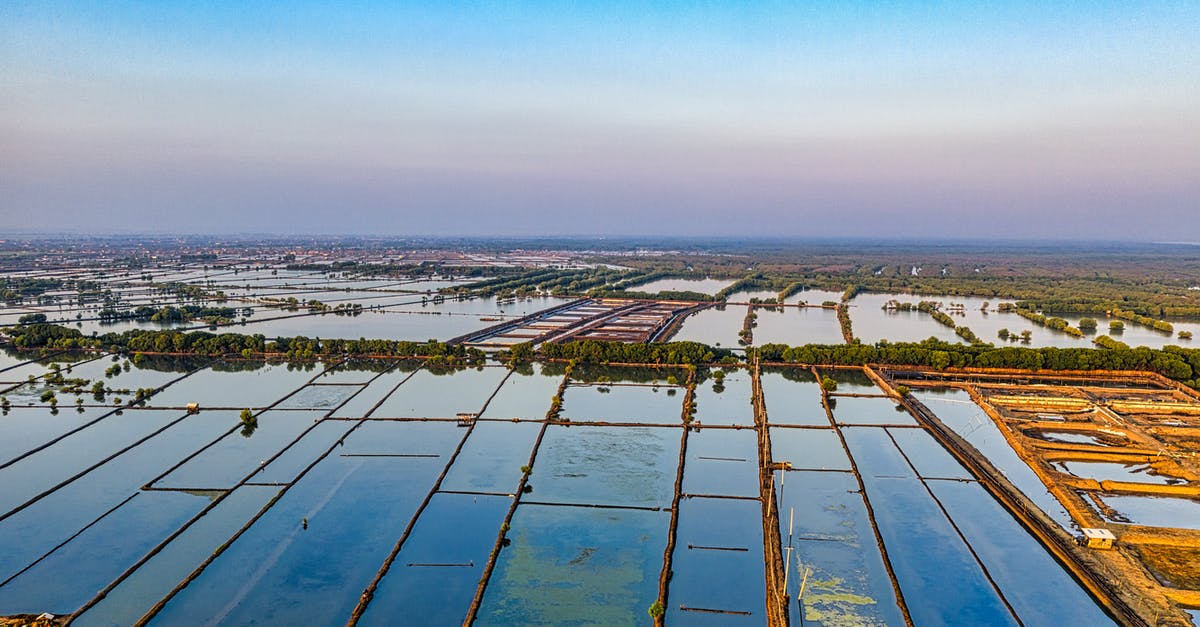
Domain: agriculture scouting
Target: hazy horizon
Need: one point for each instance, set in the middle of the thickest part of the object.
(1072, 121)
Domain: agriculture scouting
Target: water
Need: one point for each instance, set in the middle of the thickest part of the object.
(10, 360)
(703, 286)
(98, 554)
(320, 396)
(258, 387)
(137, 594)
(1138, 335)
(1041, 592)
(814, 297)
(492, 457)
(237, 454)
(1075, 437)
(796, 326)
(620, 466)
(809, 449)
(60, 514)
(927, 456)
(434, 577)
(869, 410)
(721, 462)
(872, 323)
(744, 296)
(831, 538)
(30, 476)
(587, 540)
(524, 395)
(718, 563)
(355, 507)
(623, 404)
(913, 527)
(577, 566)
(725, 403)
(1153, 511)
(793, 397)
(25, 428)
(715, 326)
(442, 395)
(395, 316)
(363, 403)
(1109, 471)
(956, 409)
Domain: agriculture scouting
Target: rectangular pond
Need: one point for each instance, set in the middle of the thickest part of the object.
(577, 566)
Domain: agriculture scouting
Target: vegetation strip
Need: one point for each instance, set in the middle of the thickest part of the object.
(773, 561)
(657, 611)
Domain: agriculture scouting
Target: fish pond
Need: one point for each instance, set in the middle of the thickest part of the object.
(384, 491)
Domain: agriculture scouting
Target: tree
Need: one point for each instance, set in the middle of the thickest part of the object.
(1087, 324)
(1003, 333)
(828, 384)
(249, 422)
(1116, 326)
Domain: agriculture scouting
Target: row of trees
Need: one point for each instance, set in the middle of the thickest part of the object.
(1174, 362)
(171, 313)
(17, 289)
(597, 352)
(1058, 324)
(1146, 321)
(843, 316)
(49, 336)
(1181, 364)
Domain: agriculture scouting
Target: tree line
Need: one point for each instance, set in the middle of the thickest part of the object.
(51, 336)
(1174, 362)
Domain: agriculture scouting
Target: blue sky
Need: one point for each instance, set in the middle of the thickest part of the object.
(1022, 119)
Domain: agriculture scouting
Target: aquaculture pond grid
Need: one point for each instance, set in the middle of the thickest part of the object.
(332, 493)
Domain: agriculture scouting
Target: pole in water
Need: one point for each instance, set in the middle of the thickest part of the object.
(787, 562)
(304, 522)
(787, 566)
(800, 596)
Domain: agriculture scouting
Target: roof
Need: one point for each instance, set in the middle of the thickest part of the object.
(1103, 534)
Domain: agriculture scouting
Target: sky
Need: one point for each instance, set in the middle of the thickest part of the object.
(1039, 120)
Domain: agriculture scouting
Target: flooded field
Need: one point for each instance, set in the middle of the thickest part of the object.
(702, 286)
(172, 490)
(276, 301)
(363, 491)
